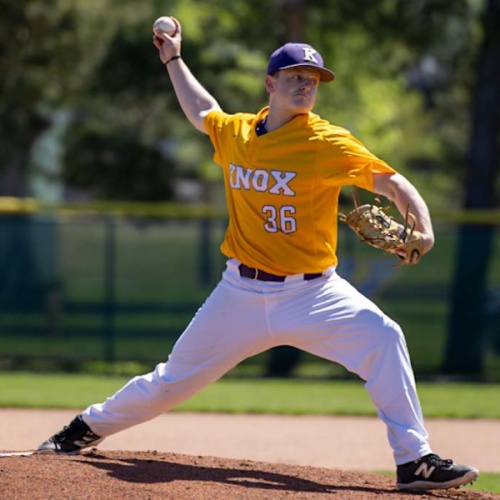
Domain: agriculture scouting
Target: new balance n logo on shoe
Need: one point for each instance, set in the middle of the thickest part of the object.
(425, 470)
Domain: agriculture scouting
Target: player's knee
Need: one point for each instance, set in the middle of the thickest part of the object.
(393, 331)
(389, 332)
(395, 341)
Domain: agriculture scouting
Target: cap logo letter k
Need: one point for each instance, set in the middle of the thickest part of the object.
(309, 54)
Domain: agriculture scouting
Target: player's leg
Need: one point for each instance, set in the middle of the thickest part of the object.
(228, 328)
(333, 320)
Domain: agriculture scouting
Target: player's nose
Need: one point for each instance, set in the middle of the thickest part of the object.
(308, 84)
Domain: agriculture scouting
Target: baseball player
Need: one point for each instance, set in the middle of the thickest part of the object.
(283, 170)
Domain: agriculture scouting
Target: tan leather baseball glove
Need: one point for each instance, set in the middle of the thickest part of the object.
(375, 227)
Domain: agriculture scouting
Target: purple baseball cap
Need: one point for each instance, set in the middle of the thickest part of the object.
(292, 55)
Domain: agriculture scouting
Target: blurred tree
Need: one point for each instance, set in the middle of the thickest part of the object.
(465, 347)
(117, 167)
(37, 51)
(33, 64)
(113, 148)
(109, 72)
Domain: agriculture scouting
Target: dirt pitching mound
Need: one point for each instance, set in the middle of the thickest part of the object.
(148, 475)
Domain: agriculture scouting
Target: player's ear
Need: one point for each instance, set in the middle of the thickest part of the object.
(269, 83)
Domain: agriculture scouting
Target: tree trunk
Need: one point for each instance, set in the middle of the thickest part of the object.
(465, 345)
(294, 12)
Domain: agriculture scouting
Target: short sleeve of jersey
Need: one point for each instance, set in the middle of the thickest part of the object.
(343, 160)
(214, 124)
(222, 128)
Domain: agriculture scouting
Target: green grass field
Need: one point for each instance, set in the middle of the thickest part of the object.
(283, 397)
(229, 395)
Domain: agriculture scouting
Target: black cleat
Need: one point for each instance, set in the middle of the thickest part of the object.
(431, 473)
(71, 439)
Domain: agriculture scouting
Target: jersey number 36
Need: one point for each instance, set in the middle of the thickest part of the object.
(280, 219)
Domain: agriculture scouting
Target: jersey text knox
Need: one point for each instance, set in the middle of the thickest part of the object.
(274, 181)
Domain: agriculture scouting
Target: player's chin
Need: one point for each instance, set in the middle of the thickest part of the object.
(302, 106)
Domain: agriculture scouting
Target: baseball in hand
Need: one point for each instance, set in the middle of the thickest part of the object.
(165, 25)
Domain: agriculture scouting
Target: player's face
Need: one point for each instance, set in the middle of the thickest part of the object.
(294, 89)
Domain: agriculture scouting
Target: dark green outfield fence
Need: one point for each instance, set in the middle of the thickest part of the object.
(120, 283)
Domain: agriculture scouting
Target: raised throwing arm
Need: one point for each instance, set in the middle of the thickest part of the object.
(193, 98)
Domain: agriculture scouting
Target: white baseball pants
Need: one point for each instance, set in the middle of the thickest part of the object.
(242, 317)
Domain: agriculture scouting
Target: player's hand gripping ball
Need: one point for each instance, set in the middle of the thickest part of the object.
(164, 24)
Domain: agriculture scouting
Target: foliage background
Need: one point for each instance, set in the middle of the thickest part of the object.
(94, 59)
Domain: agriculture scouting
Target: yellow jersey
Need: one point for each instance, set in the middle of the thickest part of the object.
(282, 188)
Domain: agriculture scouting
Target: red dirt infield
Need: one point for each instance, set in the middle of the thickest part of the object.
(193, 456)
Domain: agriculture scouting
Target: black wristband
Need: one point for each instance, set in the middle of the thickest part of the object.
(173, 59)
